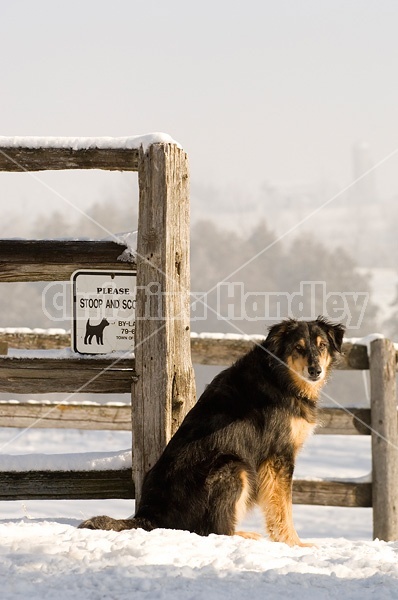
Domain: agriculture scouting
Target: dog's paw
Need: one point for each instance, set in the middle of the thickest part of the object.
(249, 535)
(306, 545)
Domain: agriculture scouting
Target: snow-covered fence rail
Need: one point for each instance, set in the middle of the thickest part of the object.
(161, 379)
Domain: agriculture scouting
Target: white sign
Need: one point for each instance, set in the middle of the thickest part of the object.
(103, 311)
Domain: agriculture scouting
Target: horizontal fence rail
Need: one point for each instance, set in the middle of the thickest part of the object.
(348, 494)
(66, 485)
(21, 375)
(118, 483)
(223, 350)
(64, 415)
(206, 349)
(20, 159)
(56, 260)
(35, 374)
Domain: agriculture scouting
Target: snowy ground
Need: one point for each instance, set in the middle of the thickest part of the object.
(43, 555)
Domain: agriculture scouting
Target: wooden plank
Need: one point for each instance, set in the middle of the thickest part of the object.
(218, 351)
(165, 388)
(63, 415)
(354, 357)
(22, 375)
(224, 351)
(90, 485)
(348, 421)
(332, 493)
(211, 350)
(56, 260)
(384, 439)
(34, 339)
(21, 159)
(66, 485)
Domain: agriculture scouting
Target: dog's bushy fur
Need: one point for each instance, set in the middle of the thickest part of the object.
(237, 446)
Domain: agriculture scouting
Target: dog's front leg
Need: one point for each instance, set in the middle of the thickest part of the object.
(275, 500)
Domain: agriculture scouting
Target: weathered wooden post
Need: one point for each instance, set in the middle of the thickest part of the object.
(384, 440)
(165, 388)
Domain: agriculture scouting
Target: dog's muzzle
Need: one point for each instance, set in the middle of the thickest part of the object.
(314, 372)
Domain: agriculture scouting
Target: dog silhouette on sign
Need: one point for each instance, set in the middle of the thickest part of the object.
(95, 330)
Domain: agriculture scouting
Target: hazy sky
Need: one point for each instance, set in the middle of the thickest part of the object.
(258, 90)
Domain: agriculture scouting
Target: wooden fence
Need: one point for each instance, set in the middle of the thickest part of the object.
(380, 421)
(161, 379)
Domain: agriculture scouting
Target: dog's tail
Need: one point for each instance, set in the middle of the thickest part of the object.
(110, 524)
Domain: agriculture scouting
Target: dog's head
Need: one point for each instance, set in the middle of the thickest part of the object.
(307, 349)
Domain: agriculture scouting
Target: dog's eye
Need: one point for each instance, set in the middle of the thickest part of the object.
(322, 346)
(299, 348)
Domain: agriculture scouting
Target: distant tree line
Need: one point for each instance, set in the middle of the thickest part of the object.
(264, 279)
(248, 280)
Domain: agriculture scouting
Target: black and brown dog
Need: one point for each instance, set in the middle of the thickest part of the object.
(237, 446)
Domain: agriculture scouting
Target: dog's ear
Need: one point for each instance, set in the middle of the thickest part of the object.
(276, 335)
(334, 331)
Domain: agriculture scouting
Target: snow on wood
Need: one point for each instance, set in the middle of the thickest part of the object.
(87, 461)
(87, 143)
(19, 154)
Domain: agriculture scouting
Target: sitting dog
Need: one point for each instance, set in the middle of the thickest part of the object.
(238, 444)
